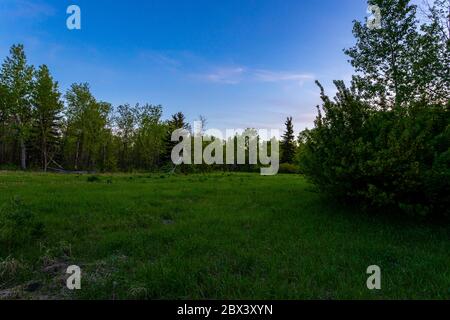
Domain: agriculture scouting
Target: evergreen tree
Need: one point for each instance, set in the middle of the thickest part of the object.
(4, 132)
(47, 115)
(177, 121)
(16, 79)
(288, 143)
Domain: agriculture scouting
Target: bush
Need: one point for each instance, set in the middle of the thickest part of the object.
(288, 168)
(18, 225)
(381, 158)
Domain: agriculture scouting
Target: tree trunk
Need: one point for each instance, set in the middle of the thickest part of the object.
(45, 162)
(23, 154)
(44, 154)
(76, 155)
(23, 149)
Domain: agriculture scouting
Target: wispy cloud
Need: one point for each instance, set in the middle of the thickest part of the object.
(230, 75)
(25, 9)
(235, 75)
(280, 76)
(159, 58)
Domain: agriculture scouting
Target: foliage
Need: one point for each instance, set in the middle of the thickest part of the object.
(150, 144)
(385, 142)
(400, 63)
(16, 86)
(288, 143)
(77, 132)
(88, 137)
(46, 115)
(177, 121)
(126, 122)
(391, 158)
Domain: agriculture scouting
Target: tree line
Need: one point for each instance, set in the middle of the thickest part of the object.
(40, 128)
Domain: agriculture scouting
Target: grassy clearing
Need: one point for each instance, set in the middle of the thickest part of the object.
(224, 235)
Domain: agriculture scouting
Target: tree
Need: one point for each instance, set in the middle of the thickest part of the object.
(385, 142)
(46, 114)
(202, 121)
(16, 79)
(79, 99)
(126, 122)
(150, 143)
(288, 143)
(104, 157)
(4, 117)
(432, 58)
(438, 13)
(382, 57)
(177, 121)
(87, 132)
(399, 63)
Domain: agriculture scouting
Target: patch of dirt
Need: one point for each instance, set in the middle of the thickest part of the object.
(56, 268)
(49, 284)
(11, 294)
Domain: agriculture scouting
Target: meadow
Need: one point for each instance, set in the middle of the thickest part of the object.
(211, 236)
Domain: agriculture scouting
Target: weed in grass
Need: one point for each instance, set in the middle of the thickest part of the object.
(93, 179)
(9, 267)
(54, 255)
(138, 292)
(18, 225)
(167, 219)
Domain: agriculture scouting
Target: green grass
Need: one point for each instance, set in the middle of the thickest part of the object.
(218, 236)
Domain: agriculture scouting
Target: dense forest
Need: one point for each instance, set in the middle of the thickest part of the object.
(42, 129)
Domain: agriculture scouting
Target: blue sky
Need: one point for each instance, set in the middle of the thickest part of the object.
(246, 63)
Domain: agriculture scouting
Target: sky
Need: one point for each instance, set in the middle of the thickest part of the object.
(239, 63)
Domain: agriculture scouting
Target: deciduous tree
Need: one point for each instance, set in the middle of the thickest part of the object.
(47, 108)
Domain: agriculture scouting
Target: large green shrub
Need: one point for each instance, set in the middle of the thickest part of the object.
(398, 158)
